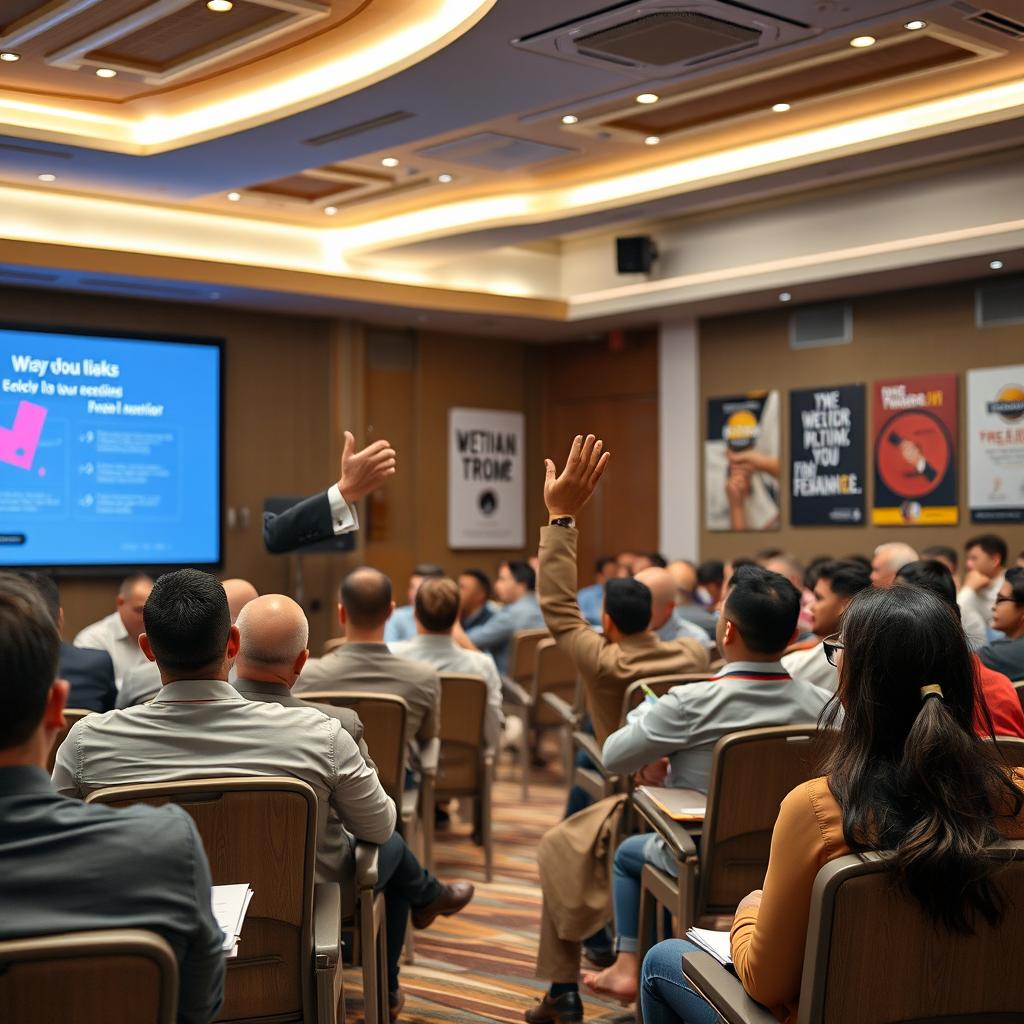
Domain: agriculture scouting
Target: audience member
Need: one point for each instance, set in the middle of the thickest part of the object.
(857, 557)
(999, 699)
(474, 598)
(665, 623)
(1007, 655)
(90, 673)
(365, 663)
(888, 560)
(591, 599)
(946, 555)
(333, 511)
(437, 609)
(986, 564)
(687, 605)
(66, 866)
(711, 582)
(626, 560)
(790, 567)
(648, 560)
(515, 589)
(907, 775)
(837, 584)
(118, 632)
(402, 623)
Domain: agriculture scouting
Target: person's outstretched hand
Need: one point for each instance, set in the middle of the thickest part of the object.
(363, 472)
(566, 493)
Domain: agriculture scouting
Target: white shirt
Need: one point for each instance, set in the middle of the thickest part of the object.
(344, 518)
(110, 635)
(976, 610)
(812, 667)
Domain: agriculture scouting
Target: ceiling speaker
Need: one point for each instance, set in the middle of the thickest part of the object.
(634, 255)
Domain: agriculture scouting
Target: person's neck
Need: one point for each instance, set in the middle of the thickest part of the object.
(210, 673)
(364, 636)
(421, 630)
(767, 659)
(1018, 633)
(519, 597)
(30, 754)
(280, 674)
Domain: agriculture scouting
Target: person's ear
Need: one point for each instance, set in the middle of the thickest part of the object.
(341, 614)
(56, 701)
(729, 633)
(234, 642)
(300, 662)
(391, 610)
(121, 602)
(606, 623)
(145, 647)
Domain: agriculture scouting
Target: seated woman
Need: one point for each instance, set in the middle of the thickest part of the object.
(907, 758)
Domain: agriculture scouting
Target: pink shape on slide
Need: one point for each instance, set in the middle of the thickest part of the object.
(18, 444)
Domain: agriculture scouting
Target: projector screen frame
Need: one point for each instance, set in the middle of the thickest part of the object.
(116, 570)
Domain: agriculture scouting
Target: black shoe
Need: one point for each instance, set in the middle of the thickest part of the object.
(564, 1009)
(600, 956)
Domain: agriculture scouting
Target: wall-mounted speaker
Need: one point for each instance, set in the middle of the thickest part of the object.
(636, 254)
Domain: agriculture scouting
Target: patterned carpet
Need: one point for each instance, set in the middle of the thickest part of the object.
(478, 965)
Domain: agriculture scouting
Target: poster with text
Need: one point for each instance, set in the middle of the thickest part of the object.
(485, 478)
(915, 430)
(995, 446)
(741, 462)
(827, 435)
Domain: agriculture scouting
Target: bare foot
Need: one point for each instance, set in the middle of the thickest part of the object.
(618, 981)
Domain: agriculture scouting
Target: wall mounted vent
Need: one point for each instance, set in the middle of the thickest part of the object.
(496, 152)
(999, 302)
(998, 23)
(152, 290)
(359, 129)
(827, 323)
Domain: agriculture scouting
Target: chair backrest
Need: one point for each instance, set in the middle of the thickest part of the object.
(1011, 749)
(751, 773)
(659, 685)
(873, 957)
(383, 716)
(521, 654)
(1018, 685)
(71, 715)
(463, 705)
(553, 672)
(261, 831)
(120, 976)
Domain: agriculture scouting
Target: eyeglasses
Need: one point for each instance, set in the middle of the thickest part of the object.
(832, 647)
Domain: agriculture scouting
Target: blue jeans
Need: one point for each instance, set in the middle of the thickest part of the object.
(629, 864)
(666, 997)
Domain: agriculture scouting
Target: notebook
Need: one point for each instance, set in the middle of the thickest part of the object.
(715, 943)
(678, 804)
(230, 903)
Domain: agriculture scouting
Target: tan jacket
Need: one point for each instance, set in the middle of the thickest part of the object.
(606, 668)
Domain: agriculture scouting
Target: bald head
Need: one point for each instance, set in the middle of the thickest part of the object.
(888, 560)
(366, 598)
(240, 593)
(273, 636)
(662, 586)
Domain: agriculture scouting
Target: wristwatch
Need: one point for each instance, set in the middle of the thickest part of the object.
(567, 521)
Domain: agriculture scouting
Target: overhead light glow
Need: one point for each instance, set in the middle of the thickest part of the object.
(445, 178)
(780, 108)
(996, 265)
(861, 41)
(47, 177)
(390, 161)
(106, 73)
(219, 6)
(652, 140)
(647, 97)
(330, 210)
(915, 26)
(10, 56)
(569, 119)
(234, 196)
(784, 296)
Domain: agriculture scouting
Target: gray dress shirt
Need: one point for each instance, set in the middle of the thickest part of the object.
(143, 682)
(1006, 656)
(495, 635)
(68, 867)
(201, 729)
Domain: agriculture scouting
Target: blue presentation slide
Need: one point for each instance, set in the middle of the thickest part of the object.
(109, 451)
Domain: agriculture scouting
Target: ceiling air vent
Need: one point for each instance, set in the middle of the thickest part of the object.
(27, 277)
(998, 23)
(999, 302)
(180, 293)
(358, 129)
(828, 323)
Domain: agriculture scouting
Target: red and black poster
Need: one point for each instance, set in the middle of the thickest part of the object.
(915, 437)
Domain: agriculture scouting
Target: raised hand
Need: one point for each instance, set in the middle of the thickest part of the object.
(566, 493)
(364, 471)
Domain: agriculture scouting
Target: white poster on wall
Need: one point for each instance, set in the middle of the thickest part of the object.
(995, 444)
(486, 449)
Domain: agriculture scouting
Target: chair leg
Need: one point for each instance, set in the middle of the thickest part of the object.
(383, 1005)
(486, 823)
(373, 947)
(524, 758)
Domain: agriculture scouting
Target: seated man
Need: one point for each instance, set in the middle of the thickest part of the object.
(118, 632)
(687, 606)
(752, 691)
(1007, 655)
(437, 608)
(986, 567)
(474, 598)
(835, 587)
(402, 624)
(665, 623)
(199, 726)
(146, 865)
(591, 599)
(888, 560)
(364, 662)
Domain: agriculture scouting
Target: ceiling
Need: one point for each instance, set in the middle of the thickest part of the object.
(390, 141)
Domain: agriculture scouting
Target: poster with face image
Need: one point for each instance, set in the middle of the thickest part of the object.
(915, 430)
(741, 462)
(995, 447)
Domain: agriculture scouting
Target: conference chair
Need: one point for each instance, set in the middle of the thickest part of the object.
(262, 830)
(517, 685)
(1011, 749)
(116, 976)
(71, 715)
(751, 773)
(465, 768)
(873, 957)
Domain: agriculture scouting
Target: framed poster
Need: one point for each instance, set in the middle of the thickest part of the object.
(827, 434)
(995, 444)
(485, 478)
(741, 462)
(915, 437)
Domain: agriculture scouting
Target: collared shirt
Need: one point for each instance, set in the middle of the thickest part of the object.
(976, 610)
(483, 614)
(591, 602)
(344, 517)
(495, 635)
(200, 729)
(441, 651)
(144, 682)
(401, 625)
(1006, 656)
(66, 866)
(812, 667)
(110, 635)
(676, 626)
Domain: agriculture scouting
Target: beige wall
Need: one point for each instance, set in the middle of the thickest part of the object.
(923, 331)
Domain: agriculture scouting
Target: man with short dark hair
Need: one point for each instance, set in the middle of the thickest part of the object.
(986, 566)
(591, 598)
(711, 580)
(1007, 655)
(687, 606)
(66, 866)
(402, 623)
(118, 633)
(474, 598)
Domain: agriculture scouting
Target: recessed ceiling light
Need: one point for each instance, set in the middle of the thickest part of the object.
(10, 56)
(234, 196)
(219, 6)
(106, 73)
(47, 177)
(647, 97)
(996, 265)
(784, 296)
(330, 210)
(569, 119)
(861, 41)
(390, 161)
(916, 25)
(652, 140)
(445, 178)
(780, 108)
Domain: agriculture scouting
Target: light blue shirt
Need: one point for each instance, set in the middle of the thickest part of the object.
(495, 635)
(591, 602)
(401, 625)
(676, 626)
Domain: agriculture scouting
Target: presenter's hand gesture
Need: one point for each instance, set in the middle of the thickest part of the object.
(566, 493)
(364, 471)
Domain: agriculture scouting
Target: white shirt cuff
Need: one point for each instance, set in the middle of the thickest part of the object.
(343, 515)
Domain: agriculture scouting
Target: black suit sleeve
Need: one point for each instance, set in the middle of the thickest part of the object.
(109, 696)
(305, 523)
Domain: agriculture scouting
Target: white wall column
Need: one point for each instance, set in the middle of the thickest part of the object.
(679, 439)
